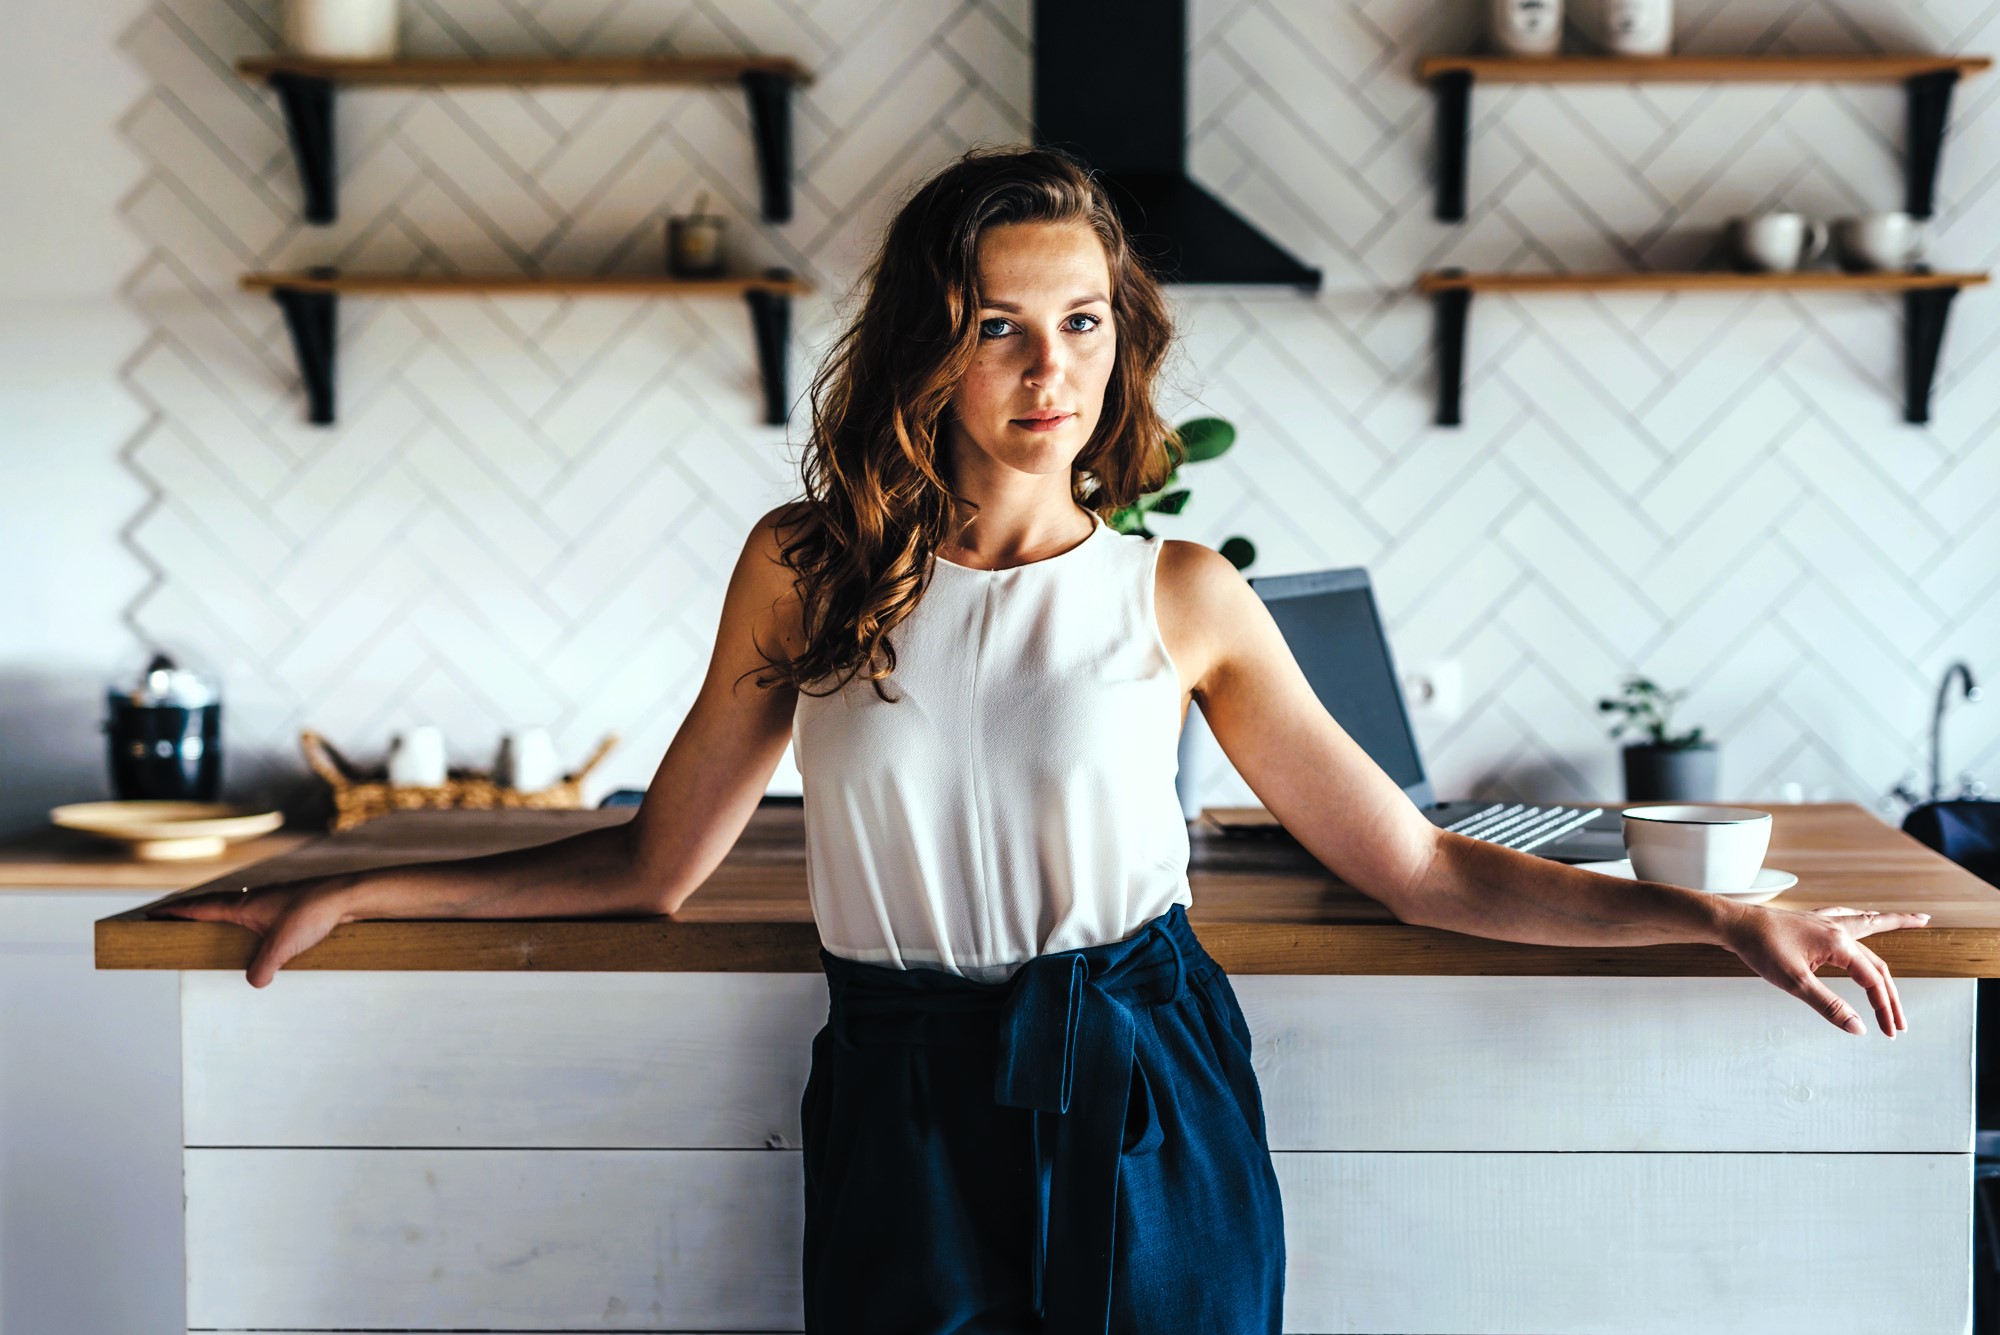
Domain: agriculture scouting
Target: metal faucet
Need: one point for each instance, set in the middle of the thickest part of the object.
(1972, 693)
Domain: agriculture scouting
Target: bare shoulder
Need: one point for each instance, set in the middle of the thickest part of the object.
(764, 578)
(768, 536)
(1202, 601)
(776, 526)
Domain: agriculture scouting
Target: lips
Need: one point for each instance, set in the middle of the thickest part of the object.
(1042, 418)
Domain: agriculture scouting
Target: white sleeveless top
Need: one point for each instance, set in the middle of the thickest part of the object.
(1017, 798)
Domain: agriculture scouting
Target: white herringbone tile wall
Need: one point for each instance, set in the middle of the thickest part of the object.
(529, 507)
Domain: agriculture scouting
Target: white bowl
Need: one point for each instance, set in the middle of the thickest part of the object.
(160, 831)
(1710, 848)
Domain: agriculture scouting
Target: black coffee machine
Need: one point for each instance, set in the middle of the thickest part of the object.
(165, 735)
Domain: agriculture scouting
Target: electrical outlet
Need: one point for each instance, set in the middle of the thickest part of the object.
(1435, 690)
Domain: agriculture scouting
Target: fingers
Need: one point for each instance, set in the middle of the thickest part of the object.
(1867, 969)
(195, 906)
(298, 931)
(1888, 986)
(1828, 1003)
(275, 951)
(1869, 921)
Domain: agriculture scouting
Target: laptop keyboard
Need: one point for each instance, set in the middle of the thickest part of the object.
(1522, 826)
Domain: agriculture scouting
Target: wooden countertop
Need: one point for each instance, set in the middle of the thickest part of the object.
(1260, 906)
(52, 858)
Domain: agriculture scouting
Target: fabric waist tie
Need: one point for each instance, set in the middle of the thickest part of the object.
(1063, 1028)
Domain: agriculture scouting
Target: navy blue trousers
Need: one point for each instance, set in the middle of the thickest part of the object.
(1079, 1149)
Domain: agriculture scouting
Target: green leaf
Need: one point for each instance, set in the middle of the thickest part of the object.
(1169, 502)
(1240, 551)
(1206, 437)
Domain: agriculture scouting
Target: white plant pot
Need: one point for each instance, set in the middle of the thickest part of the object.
(341, 29)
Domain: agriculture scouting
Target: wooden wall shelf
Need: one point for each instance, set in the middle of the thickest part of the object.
(308, 298)
(1441, 280)
(529, 69)
(1928, 79)
(1862, 68)
(1926, 300)
(305, 88)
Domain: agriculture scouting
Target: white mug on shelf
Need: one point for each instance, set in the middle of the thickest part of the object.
(1525, 27)
(1778, 242)
(416, 758)
(341, 29)
(1636, 27)
(527, 761)
(1878, 241)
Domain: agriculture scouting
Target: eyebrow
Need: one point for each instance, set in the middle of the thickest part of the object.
(1083, 300)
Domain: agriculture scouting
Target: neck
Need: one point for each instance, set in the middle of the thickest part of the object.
(993, 537)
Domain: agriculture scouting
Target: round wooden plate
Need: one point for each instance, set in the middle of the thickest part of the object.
(161, 831)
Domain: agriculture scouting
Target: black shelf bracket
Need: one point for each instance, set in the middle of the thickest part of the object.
(1453, 91)
(1929, 111)
(1452, 305)
(308, 105)
(1924, 310)
(311, 315)
(770, 323)
(1930, 108)
(770, 97)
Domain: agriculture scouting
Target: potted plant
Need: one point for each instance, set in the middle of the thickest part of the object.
(1666, 767)
(1201, 439)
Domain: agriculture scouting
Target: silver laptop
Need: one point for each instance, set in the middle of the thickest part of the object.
(1330, 621)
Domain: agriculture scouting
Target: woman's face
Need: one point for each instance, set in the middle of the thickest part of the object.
(1046, 342)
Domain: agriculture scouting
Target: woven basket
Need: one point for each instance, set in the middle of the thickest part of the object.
(360, 796)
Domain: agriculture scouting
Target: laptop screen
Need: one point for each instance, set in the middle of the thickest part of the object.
(1330, 621)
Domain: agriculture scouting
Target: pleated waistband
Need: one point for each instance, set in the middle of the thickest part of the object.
(873, 1003)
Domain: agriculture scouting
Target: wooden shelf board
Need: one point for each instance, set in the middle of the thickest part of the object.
(526, 70)
(1700, 69)
(1809, 279)
(527, 284)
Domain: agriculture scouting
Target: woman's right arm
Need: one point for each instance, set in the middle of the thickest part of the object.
(709, 782)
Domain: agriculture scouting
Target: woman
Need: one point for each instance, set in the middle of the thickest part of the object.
(1032, 1104)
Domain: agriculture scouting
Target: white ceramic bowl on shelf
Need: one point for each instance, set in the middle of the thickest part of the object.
(160, 831)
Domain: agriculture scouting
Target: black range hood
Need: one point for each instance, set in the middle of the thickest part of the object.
(1111, 87)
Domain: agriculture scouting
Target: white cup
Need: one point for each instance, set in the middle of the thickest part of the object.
(1636, 27)
(416, 759)
(1779, 242)
(1525, 27)
(527, 761)
(1702, 848)
(1878, 241)
(344, 29)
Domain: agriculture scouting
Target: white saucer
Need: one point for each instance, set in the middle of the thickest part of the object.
(1769, 882)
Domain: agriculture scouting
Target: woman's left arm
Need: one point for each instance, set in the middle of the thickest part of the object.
(1350, 815)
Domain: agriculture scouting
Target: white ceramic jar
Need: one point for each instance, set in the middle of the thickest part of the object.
(1636, 27)
(341, 29)
(1525, 27)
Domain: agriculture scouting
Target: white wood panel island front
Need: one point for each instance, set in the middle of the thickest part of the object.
(593, 1124)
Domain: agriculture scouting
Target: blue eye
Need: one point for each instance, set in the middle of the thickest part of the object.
(1095, 320)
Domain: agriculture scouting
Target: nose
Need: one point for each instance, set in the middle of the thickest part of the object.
(1045, 358)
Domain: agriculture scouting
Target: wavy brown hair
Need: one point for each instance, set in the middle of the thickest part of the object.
(876, 503)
